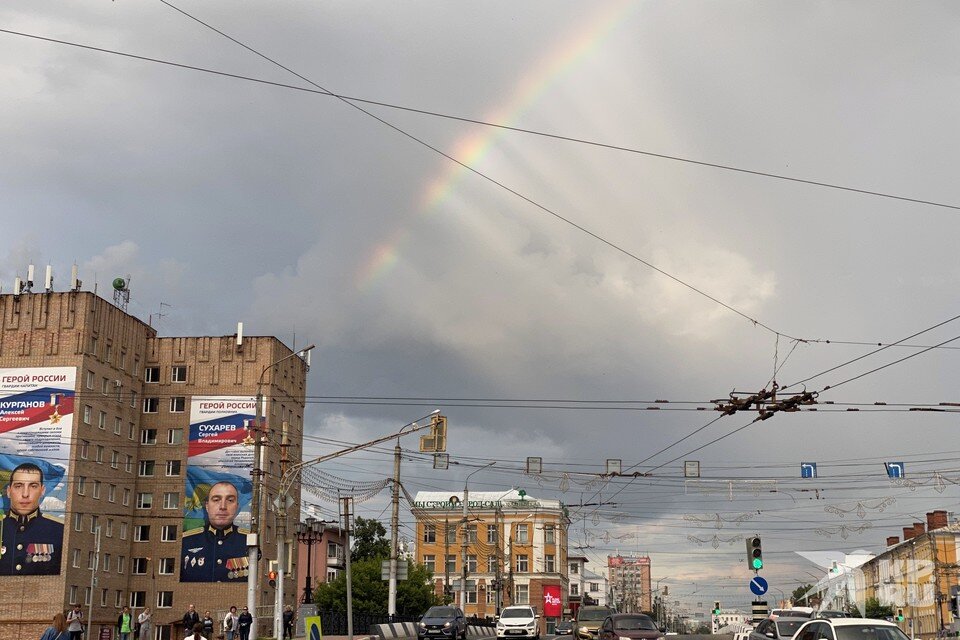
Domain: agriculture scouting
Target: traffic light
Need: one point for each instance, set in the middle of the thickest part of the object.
(272, 575)
(899, 614)
(716, 607)
(754, 553)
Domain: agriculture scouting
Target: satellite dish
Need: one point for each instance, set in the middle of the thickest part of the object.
(119, 284)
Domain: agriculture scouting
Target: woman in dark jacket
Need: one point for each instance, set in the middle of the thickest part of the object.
(244, 620)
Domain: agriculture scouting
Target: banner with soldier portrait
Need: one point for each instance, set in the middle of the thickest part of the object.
(218, 490)
(36, 430)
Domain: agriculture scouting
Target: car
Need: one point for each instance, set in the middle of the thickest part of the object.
(564, 628)
(850, 629)
(635, 626)
(442, 622)
(518, 621)
(777, 628)
(797, 612)
(827, 613)
(589, 619)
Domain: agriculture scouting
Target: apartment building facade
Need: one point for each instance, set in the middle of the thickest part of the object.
(135, 436)
(630, 583)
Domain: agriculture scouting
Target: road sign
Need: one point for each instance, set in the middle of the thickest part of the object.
(401, 570)
(758, 586)
(808, 469)
(894, 469)
(759, 610)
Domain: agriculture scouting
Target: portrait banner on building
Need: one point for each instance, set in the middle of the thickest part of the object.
(218, 490)
(36, 431)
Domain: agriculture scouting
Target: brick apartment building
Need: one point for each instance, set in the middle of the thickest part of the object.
(630, 583)
(127, 399)
(512, 539)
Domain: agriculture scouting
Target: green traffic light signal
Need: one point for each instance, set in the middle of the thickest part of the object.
(758, 563)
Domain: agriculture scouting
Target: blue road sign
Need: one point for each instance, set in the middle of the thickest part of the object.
(758, 586)
(808, 469)
(894, 469)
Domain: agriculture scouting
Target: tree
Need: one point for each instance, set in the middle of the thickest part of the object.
(414, 595)
(369, 540)
(800, 594)
(873, 609)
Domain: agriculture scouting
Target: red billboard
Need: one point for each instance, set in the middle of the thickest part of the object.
(552, 603)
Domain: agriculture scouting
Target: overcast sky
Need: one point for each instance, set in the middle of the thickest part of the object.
(302, 216)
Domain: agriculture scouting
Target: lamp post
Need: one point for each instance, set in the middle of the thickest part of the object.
(309, 533)
(253, 541)
(466, 499)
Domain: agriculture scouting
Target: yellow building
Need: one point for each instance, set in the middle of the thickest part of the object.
(512, 549)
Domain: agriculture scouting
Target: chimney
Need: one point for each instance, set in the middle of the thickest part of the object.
(892, 540)
(907, 533)
(919, 528)
(936, 520)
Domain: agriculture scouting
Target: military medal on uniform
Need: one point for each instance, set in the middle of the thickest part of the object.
(237, 568)
(39, 552)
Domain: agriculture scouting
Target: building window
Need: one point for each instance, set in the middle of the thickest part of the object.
(128, 463)
(171, 500)
(86, 596)
(471, 563)
(523, 563)
(164, 599)
(99, 454)
(148, 436)
(84, 449)
(133, 399)
(331, 575)
(452, 563)
(78, 522)
(471, 533)
(491, 596)
(109, 532)
(111, 493)
(174, 436)
(146, 468)
(178, 404)
(451, 533)
(574, 589)
(94, 523)
(151, 405)
(105, 386)
(108, 353)
(123, 532)
(144, 501)
(81, 486)
(76, 558)
(141, 533)
(89, 379)
(523, 533)
(138, 566)
(178, 373)
(95, 350)
(522, 594)
(594, 586)
(167, 566)
(96, 489)
(102, 420)
(430, 562)
(106, 563)
(114, 459)
(91, 558)
(121, 564)
(87, 414)
(131, 431)
(126, 497)
(173, 467)
(549, 534)
(151, 374)
(168, 533)
(492, 534)
(73, 593)
(471, 592)
(118, 601)
(138, 599)
(136, 366)
(548, 563)
(429, 533)
(117, 426)
(123, 360)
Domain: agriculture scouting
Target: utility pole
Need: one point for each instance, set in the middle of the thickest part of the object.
(510, 570)
(498, 549)
(347, 530)
(281, 538)
(93, 580)
(466, 499)
(446, 555)
(394, 525)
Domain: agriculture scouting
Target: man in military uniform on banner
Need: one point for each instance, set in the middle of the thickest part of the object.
(217, 551)
(30, 542)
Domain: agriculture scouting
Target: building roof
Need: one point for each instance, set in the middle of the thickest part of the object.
(508, 499)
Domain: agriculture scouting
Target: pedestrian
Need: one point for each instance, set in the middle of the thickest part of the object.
(145, 624)
(196, 633)
(57, 630)
(124, 624)
(230, 623)
(244, 621)
(75, 623)
(288, 618)
(207, 625)
(190, 620)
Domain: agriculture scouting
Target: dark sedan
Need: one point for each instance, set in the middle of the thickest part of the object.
(635, 626)
(563, 629)
(442, 622)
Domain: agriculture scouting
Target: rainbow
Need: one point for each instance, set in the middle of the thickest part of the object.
(471, 148)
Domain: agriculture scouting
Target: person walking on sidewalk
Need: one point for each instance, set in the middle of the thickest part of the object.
(145, 622)
(124, 624)
(208, 625)
(75, 623)
(244, 621)
(230, 623)
(288, 618)
(190, 619)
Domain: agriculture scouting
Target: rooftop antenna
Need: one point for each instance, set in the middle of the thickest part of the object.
(28, 285)
(160, 313)
(121, 292)
(17, 286)
(48, 280)
(75, 282)
(239, 335)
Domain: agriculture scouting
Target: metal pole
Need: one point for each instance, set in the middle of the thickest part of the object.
(394, 525)
(346, 520)
(93, 580)
(466, 499)
(446, 556)
(307, 591)
(281, 540)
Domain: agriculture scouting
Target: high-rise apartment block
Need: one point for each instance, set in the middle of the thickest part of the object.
(125, 462)
(630, 583)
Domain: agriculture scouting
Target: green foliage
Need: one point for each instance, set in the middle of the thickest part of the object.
(369, 540)
(876, 610)
(414, 595)
(798, 595)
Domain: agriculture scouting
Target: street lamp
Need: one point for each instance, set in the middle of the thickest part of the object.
(253, 541)
(466, 499)
(309, 533)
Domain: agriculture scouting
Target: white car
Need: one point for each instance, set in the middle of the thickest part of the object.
(849, 629)
(518, 622)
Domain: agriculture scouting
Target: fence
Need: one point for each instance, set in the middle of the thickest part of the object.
(334, 623)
